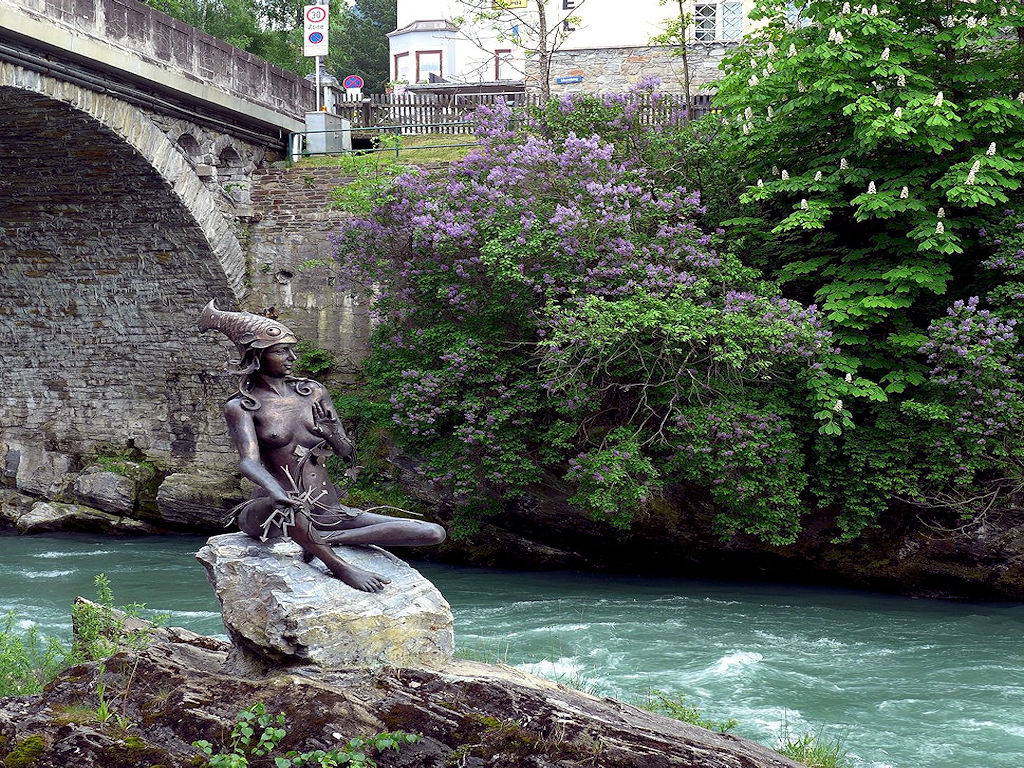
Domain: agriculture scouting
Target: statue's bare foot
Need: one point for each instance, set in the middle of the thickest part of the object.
(307, 556)
(357, 578)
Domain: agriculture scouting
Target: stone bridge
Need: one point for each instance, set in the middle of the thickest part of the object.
(128, 144)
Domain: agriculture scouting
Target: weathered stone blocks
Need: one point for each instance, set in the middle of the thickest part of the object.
(200, 500)
(284, 611)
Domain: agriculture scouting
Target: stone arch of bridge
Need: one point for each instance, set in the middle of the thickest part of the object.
(109, 246)
(137, 130)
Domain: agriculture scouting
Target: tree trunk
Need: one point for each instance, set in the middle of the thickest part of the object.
(686, 60)
(543, 51)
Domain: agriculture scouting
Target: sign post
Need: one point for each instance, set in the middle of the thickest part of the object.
(314, 28)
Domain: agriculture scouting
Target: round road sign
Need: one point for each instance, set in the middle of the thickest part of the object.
(352, 81)
(316, 14)
(316, 37)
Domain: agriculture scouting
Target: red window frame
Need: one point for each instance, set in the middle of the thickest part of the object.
(497, 61)
(440, 62)
(397, 57)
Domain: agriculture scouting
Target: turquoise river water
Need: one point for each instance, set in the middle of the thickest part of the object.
(904, 683)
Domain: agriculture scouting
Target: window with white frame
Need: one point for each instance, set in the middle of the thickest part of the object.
(717, 20)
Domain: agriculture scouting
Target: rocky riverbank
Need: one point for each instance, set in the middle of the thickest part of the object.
(181, 687)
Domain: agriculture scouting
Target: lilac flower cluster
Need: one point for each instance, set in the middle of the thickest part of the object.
(549, 288)
(975, 360)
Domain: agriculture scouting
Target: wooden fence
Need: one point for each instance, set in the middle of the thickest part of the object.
(422, 113)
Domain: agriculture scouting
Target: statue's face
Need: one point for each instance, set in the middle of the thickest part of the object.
(278, 360)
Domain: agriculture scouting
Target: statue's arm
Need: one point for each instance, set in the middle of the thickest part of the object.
(243, 434)
(329, 425)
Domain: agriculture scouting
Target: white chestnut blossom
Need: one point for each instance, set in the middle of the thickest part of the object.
(885, 54)
(904, 193)
(753, 81)
(785, 174)
(803, 204)
(971, 173)
(838, 407)
(901, 80)
(938, 99)
(760, 182)
(941, 214)
(792, 50)
(991, 149)
(871, 188)
(898, 113)
(939, 228)
(843, 165)
(817, 176)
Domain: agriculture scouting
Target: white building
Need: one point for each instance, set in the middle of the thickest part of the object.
(604, 45)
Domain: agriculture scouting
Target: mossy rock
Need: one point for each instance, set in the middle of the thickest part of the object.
(26, 752)
(132, 752)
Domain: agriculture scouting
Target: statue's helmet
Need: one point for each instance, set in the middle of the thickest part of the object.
(246, 330)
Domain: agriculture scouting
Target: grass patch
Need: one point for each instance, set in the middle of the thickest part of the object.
(678, 707)
(815, 750)
(411, 150)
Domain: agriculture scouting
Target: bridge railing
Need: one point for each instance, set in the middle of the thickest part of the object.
(150, 35)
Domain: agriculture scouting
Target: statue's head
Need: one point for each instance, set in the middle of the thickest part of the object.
(250, 333)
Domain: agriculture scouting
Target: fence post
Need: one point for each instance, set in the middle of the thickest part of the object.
(366, 113)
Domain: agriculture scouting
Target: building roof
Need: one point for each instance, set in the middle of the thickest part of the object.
(432, 25)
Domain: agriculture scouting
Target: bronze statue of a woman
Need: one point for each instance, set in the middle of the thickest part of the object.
(284, 428)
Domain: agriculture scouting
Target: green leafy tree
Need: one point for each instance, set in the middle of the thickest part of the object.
(882, 145)
(359, 43)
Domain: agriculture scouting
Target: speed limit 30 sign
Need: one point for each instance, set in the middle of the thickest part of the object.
(315, 30)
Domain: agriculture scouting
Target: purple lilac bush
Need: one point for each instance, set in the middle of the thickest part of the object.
(551, 307)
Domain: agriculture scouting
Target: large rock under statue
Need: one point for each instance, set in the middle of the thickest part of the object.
(286, 612)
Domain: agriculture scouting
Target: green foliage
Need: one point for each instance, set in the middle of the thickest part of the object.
(257, 734)
(530, 329)
(313, 360)
(272, 29)
(359, 43)
(29, 660)
(678, 707)
(815, 750)
(881, 147)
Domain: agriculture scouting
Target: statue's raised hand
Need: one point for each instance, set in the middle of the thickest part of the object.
(327, 424)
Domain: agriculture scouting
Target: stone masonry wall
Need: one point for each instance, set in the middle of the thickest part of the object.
(613, 70)
(103, 274)
(292, 219)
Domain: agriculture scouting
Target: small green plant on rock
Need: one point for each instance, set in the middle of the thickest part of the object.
(313, 359)
(815, 750)
(257, 734)
(678, 707)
